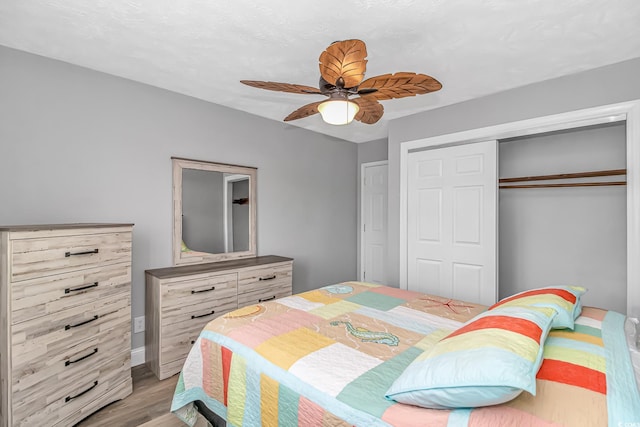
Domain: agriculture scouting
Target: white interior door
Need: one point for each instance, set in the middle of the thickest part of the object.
(374, 222)
(451, 221)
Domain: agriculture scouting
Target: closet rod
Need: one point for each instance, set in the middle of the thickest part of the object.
(574, 184)
(611, 172)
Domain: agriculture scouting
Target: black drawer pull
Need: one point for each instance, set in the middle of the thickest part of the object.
(267, 299)
(193, 342)
(69, 362)
(66, 291)
(68, 254)
(273, 276)
(203, 315)
(66, 328)
(204, 290)
(68, 398)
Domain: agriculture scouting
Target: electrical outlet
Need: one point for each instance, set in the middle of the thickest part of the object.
(138, 324)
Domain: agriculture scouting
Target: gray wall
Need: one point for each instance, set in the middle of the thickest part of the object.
(81, 146)
(606, 85)
(373, 151)
(555, 236)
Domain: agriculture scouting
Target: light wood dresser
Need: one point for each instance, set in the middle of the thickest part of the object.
(65, 316)
(180, 301)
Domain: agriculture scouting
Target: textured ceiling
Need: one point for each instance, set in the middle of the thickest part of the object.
(202, 48)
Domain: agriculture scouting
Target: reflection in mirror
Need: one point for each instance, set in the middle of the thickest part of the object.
(214, 211)
(237, 224)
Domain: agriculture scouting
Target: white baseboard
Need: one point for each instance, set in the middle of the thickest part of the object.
(137, 356)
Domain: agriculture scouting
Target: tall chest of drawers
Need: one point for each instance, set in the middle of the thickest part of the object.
(180, 301)
(65, 321)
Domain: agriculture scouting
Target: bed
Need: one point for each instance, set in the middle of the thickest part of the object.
(330, 357)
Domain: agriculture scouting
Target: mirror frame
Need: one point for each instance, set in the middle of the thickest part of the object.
(195, 257)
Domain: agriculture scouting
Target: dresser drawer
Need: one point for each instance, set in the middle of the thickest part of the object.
(114, 393)
(47, 295)
(34, 381)
(207, 309)
(46, 256)
(62, 402)
(198, 290)
(264, 284)
(180, 328)
(266, 293)
(38, 339)
(251, 279)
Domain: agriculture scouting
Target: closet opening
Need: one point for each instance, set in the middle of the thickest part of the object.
(600, 224)
(562, 213)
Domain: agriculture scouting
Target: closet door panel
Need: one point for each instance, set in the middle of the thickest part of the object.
(429, 215)
(452, 206)
(467, 281)
(428, 276)
(467, 225)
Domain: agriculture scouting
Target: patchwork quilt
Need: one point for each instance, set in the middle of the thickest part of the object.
(328, 356)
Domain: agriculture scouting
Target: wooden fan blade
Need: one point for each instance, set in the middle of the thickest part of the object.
(282, 87)
(370, 110)
(344, 59)
(367, 91)
(304, 111)
(400, 85)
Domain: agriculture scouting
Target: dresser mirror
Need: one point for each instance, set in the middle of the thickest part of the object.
(214, 211)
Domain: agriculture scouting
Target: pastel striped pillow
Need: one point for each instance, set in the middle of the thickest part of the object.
(489, 360)
(564, 299)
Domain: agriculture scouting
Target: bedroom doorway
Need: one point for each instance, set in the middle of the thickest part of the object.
(374, 190)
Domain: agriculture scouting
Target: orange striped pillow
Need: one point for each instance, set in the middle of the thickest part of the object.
(564, 299)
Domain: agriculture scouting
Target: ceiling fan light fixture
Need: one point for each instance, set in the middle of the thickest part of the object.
(342, 68)
(338, 111)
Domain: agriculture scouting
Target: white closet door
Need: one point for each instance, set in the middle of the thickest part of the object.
(452, 217)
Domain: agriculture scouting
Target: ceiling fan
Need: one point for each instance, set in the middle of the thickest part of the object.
(342, 68)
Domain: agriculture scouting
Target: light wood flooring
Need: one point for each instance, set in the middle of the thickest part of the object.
(147, 406)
